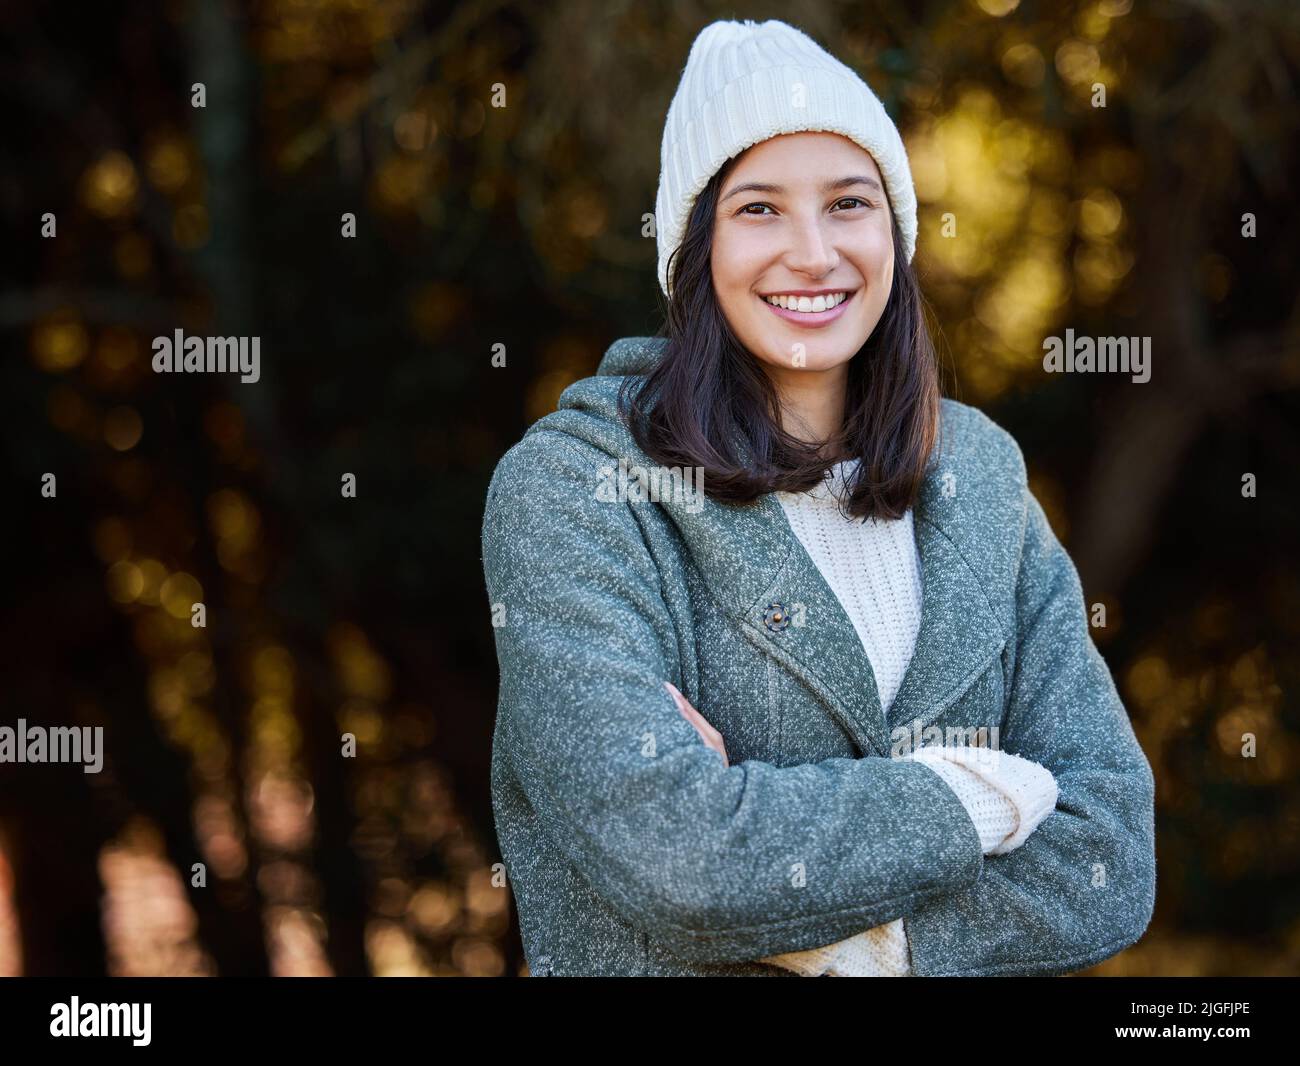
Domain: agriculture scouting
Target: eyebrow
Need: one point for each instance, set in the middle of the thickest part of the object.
(829, 186)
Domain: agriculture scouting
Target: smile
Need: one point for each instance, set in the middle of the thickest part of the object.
(809, 310)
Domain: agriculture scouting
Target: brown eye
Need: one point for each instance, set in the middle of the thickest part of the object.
(746, 209)
(855, 201)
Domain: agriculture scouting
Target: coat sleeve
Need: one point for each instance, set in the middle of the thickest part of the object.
(1082, 886)
(719, 863)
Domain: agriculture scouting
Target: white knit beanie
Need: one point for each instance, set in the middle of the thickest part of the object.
(747, 81)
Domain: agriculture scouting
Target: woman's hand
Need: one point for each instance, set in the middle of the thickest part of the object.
(708, 734)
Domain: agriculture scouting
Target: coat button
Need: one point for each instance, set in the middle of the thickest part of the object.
(776, 618)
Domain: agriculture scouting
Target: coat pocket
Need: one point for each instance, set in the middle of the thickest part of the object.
(762, 710)
(800, 728)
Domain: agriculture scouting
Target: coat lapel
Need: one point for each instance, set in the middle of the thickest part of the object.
(959, 634)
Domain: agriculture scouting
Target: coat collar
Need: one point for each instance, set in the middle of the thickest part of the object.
(959, 634)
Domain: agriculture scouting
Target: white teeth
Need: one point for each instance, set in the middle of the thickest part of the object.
(811, 304)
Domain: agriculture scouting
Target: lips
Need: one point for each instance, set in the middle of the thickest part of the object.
(810, 319)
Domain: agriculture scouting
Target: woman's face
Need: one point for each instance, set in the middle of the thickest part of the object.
(818, 222)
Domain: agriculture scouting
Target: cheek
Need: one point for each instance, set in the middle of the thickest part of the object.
(876, 265)
(887, 266)
(879, 252)
(736, 260)
(737, 263)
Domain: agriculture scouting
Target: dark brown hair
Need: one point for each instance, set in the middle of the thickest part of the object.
(708, 402)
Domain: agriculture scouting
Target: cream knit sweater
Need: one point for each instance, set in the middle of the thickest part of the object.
(873, 569)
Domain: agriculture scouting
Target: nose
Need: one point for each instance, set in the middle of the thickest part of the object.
(811, 252)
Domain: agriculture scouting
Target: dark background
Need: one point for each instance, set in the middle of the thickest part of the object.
(522, 225)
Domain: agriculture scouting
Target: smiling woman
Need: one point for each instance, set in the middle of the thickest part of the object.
(868, 566)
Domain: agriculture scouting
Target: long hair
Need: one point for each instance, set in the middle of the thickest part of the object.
(708, 403)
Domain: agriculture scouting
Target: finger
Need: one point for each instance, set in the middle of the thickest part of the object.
(678, 698)
(711, 737)
(684, 705)
(692, 718)
(702, 726)
(689, 710)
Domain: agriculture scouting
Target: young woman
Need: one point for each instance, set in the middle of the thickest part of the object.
(795, 678)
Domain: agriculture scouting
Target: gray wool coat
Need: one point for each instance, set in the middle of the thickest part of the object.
(632, 850)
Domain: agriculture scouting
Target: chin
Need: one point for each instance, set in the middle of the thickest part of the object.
(816, 361)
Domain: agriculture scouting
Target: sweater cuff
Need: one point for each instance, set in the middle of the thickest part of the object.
(1030, 788)
(994, 815)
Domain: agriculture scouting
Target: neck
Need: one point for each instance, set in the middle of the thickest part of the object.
(812, 401)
